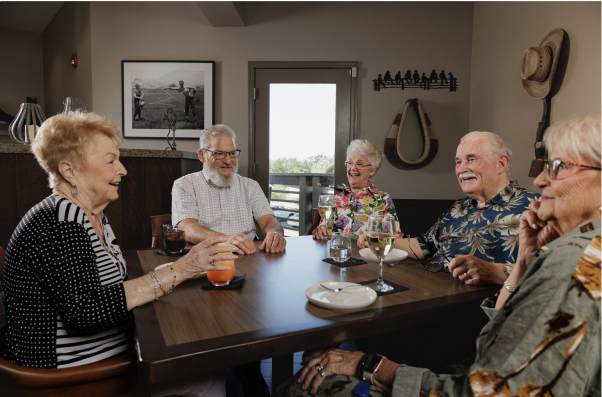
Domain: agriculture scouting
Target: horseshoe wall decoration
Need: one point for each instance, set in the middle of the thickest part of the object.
(393, 140)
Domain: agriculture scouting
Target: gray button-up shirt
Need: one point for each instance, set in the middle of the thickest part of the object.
(230, 210)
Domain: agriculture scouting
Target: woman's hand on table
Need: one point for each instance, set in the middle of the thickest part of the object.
(273, 242)
(333, 361)
(202, 257)
(321, 233)
(361, 241)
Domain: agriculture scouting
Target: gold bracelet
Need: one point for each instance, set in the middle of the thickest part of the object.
(154, 278)
(173, 284)
(509, 286)
(160, 285)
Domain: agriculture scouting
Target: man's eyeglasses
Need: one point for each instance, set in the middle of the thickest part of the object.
(222, 155)
(359, 166)
(431, 266)
(556, 165)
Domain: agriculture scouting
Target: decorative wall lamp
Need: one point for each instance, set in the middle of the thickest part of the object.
(74, 104)
(26, 124)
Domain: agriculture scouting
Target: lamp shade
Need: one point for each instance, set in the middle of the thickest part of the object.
(25, 126)
(74, 104)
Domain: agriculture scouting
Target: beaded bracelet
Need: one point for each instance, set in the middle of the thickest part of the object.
(173, 283)
(155, 281)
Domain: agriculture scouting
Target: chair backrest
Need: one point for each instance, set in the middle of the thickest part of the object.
(157, 231)
(2, 256)
(110, 377)
(315, 221)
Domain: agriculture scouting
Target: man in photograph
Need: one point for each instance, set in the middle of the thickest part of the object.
(188, 92)
(138, 102)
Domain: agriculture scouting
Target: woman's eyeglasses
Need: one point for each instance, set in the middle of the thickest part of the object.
(556, 165)
(359, 166)
(222, 155)
(431, 266)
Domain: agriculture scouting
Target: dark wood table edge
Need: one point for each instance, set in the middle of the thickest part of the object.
(156, 365)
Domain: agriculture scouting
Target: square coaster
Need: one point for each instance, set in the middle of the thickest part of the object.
(396, 287)
(236, 283)
(350, 262)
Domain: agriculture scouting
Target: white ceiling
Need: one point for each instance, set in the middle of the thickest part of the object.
(32, 16)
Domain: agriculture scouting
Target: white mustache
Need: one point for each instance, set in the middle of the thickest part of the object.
(466, 175)
(225, 166)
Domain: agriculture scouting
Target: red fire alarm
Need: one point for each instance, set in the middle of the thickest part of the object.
(74, 60)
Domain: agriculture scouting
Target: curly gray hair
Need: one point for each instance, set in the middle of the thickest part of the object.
(216, 131)
(368, 149)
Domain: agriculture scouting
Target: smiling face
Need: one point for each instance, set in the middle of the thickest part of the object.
(101, 175)
(359, 179)
(219, 171)
(573, 198)
(481, 174)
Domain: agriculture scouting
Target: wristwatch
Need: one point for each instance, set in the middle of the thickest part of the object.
(370, 364)
(507, 270)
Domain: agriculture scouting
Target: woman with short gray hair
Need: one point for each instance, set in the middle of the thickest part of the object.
(360, 199)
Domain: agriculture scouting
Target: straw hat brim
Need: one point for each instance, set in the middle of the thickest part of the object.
(540, 89)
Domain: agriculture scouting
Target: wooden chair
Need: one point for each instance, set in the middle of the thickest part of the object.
(105, 378)
(315, 221)
(157, 231)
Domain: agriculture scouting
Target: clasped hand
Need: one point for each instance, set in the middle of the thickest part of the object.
(333, 361)
(274, 242)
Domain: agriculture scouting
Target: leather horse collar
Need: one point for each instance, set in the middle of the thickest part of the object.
(393, 140)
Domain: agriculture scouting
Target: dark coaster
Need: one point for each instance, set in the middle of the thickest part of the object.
(236, 283)
(350, 262)
(396, 287)
(165, 253)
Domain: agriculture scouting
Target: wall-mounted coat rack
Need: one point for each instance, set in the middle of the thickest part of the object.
(414, 80)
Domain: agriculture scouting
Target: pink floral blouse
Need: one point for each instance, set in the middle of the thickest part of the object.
(352, 212)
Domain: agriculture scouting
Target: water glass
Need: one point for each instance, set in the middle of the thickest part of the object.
(340, 247)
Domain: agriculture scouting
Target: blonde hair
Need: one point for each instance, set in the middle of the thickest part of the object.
(495, 145)
(577, 136)
(67, 137)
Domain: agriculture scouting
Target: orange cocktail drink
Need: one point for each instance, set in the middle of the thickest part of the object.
(221, 277)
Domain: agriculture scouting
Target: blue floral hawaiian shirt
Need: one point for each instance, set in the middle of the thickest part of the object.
(489, 233)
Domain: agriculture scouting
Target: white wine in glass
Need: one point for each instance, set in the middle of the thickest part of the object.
(381, 236)
(326, 207)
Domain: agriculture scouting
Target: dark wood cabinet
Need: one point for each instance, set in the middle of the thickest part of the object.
(145, 191)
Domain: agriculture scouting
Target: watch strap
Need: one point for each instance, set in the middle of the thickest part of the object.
(368, 373)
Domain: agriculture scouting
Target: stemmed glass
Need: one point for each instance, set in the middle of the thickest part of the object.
(326, 207)
(381, 236)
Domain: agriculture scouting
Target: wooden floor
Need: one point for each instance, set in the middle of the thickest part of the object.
(234, 387)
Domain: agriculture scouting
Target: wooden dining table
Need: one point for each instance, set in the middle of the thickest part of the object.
(193, 330)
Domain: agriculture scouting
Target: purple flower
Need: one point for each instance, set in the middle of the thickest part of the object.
(342, 222)
(356, 226)
(359, 206)
(387, 227)
(390, 202)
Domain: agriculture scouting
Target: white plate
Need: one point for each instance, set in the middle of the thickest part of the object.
(167, 264)
(394, 255)
(348, 299)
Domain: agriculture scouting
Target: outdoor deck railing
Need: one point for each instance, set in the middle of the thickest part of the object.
(302, 192)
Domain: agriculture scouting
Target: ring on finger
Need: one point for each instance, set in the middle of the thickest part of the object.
(213, 260)
(466, 275)
(320, 369)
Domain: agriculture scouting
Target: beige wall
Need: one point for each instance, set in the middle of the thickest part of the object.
(68, 33)
(395, 36)
(498, 103)
(21, 72)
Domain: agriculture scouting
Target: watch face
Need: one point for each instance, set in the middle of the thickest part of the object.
(371, 363)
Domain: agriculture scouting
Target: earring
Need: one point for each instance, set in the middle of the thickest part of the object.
(74, 193)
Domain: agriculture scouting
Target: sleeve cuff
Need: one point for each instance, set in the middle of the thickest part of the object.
(408, 381)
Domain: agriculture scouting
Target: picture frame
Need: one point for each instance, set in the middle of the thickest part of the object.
(150, 88)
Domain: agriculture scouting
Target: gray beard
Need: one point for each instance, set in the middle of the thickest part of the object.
(212, 174)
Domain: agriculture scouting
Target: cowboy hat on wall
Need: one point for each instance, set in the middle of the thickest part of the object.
(539, 65)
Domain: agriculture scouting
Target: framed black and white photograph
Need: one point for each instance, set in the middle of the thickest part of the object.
(151, 88)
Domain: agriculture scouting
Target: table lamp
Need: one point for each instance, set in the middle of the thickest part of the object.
(24, 127)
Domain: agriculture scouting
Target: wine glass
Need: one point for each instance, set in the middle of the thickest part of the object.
(326, 207)
(381, 236)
